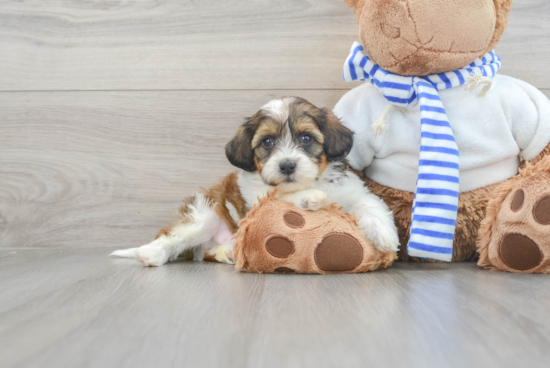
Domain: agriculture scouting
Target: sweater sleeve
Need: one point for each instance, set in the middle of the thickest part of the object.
(353, 113)
(529, 111)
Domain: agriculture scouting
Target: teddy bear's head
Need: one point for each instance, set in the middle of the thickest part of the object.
(422, 37)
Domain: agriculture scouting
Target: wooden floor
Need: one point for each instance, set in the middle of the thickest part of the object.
(79, 308)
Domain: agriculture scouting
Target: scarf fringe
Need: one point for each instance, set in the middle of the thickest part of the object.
(475, 81)
(381, 124)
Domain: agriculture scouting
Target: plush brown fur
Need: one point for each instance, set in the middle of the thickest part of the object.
(266, 220)
(432, 36)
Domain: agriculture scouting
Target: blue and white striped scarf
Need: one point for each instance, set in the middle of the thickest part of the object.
(436, 198)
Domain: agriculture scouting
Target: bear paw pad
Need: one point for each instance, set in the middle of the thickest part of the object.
(520, 240)
(338, 252)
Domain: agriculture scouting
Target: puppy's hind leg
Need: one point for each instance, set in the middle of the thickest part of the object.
(196, 225)
(222, 249)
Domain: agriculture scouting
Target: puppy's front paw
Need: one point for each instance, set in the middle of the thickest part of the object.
(152, 255)
(383, 234)
(313, 200)
(387, 240)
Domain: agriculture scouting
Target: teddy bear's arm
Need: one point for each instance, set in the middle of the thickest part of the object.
(529, 114)
(545, 152)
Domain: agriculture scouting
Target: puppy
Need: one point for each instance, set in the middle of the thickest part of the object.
(289, 145)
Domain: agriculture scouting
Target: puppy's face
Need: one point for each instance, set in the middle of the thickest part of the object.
(289, 142)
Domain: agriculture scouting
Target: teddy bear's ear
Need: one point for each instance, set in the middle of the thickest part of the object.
(239, 150)
(356, 5)
(502, 8)
(338, 138)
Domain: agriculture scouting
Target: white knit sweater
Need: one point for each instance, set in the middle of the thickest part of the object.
(493, 133)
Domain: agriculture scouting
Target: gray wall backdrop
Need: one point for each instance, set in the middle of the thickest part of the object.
(112, 111)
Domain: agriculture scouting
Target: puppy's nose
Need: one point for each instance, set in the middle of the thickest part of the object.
(288, 167)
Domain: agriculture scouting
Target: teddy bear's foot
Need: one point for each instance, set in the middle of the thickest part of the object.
(515, 235)
(281, 238)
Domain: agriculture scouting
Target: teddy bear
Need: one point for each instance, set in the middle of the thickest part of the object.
(457, 151)
(440, 136)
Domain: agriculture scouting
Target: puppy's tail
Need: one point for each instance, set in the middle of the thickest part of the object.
(125, 253)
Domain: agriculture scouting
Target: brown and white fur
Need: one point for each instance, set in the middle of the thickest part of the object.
(289, 145)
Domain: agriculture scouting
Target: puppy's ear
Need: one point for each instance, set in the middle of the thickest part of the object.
(239, 151)
(338, 138)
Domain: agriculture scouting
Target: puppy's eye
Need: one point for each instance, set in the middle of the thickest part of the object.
(268, 143)
(306, 139)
